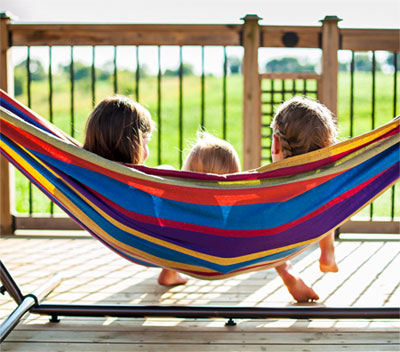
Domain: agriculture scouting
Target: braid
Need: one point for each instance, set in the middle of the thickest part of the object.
(285, 145)
(302, 126)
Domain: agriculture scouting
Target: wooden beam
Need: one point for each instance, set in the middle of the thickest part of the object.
(290, 75)
(43, 222)
(251, 94)
(124, 34)
(370, 39)
(6, 83)
(374, 226)
(330, 46)
(308, 37)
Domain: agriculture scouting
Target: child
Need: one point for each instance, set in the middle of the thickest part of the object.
(209, 155)
(212, 155)
(119, 129)
(300, 126)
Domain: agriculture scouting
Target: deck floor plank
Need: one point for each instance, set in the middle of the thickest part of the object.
(368, 276)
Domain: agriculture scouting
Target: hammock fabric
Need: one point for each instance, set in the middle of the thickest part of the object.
(207, 226)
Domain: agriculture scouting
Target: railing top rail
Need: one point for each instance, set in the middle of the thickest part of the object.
(123, 34)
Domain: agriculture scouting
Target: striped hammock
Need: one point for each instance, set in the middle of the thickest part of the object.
(207, 226)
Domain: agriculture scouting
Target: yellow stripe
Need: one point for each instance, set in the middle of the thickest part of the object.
(206, 257)
(26, 166)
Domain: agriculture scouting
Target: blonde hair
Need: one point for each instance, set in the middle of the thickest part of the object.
(212, 155)
(303, 125)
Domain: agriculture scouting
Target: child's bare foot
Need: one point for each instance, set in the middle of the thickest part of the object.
(327, 263)
(300, 291)
(171, 278)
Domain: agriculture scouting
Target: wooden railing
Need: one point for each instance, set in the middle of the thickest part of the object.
(250, 35)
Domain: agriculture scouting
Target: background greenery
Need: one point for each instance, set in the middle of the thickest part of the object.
(168, 129)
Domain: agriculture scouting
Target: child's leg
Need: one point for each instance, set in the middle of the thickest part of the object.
(296, 286)
(169, 277)
(327, 261)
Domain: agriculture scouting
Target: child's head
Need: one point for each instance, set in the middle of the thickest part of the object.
(212, 155)
(119, 129)
(300, 126)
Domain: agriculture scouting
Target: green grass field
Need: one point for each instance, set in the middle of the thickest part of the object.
(169, 127)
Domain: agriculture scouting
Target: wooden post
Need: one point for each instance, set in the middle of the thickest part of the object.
(6, 83)
(330, 46)
(251, 94)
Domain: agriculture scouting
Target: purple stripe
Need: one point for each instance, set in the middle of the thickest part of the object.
(214, 245)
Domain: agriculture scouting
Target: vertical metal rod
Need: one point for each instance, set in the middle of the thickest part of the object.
(159, 123)
(352, 67)
(224, 100)
(180, 107)
(373, 90)
(283, 90)
(51, 105)
(294, 87)
(371, 208)
(137, 73)
(93, 82)
(115, 71)
(271, 116)
(304, 87)
(72, 93)
(202, 122)
(29, 96)
(394, 114)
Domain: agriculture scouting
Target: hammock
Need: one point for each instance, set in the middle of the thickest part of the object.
(207, 226)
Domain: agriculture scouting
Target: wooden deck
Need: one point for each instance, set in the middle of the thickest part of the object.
(368, 276)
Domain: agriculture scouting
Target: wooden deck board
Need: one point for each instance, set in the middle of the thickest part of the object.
(368, 276)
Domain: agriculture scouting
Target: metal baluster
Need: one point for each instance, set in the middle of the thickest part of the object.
(180, 107)
(224, 101)
(352, 67)
(115, 71)
(394, 114)
(93, 77)
(51, 105)
(371, 209)
(29, 96)
(159, 160)
(72, 122)
(137, 73)
(202, 122)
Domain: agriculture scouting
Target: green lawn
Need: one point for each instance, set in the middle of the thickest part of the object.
(169, 129)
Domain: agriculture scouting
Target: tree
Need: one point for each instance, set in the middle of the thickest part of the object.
(187, 69)
(288, 64)
(390, 60)
(37, 73)
(364, 63)
(234, 64)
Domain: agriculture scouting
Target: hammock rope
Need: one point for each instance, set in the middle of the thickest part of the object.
(207, 226)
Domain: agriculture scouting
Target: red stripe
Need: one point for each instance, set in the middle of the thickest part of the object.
(179, 193)
(231, 232)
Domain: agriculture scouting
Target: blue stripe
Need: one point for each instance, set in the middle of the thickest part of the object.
(258, 216)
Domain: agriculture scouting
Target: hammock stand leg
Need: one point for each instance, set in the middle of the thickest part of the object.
(25, 303)
(31, 303)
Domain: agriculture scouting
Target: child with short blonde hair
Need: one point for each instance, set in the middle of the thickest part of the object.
(208, 155)
(212, 155)
(300, 126)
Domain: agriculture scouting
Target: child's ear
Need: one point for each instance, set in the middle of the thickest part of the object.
(276, 144)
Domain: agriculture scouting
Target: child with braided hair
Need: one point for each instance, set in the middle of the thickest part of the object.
(300, 126)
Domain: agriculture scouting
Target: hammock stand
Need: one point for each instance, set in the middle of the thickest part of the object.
(31, 303)
(376, 147)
